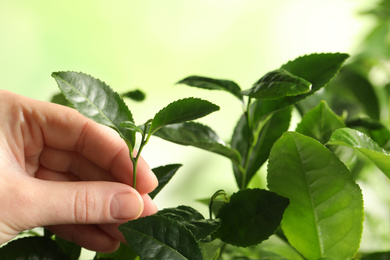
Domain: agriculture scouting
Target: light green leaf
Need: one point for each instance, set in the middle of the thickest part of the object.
(325, 215)
(197, 135)
(319, 123)
(361, 142)
(181, 111)
(251, 216)
(159, 237)
(96, 100)
(213, 84)
(277, 84)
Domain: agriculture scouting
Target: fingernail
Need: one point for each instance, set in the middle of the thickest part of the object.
(126, 206)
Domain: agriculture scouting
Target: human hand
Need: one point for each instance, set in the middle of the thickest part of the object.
(61, 170)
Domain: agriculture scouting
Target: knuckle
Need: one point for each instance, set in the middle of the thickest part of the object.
(84, 205)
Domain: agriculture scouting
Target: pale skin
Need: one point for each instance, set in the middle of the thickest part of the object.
(65, 172)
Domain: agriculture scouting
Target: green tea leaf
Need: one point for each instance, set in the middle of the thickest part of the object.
(197, 135)
(124, 252)
(159, 237)
(317, 69)
(61, 100)
(131, 126)
(32, 248)
(194, 221)
(255, 153)
(136, 95)
(164, 175)
(376, 130)
(325, 215)
(182, 110)
(213, 84)
(319, 123)
(250, 217)
(96, 100)
(277, 84)
(361, 142)
(71, 249)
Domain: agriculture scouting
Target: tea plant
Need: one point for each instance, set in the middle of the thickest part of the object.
(312, 209)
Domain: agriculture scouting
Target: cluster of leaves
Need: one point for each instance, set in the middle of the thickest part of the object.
(312, 204)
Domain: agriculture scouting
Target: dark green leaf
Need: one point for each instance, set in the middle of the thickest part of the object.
(181, 111)
(31, 248)
(136, 95)
(131, 126)
(277, 84)
(164, 175)
(318, 69)
(71, 249)
(254, 150)
(377, 131)
(201, 228)
(96, 100)
(361, 142)
(319, 123)
(124, 252)
(61, 100)
(250, 217)
(325, 215)
(159, 237)
(213, 84)
(352, 92)
(197, 135)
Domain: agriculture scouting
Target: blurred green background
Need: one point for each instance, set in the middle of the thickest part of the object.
(151, 45)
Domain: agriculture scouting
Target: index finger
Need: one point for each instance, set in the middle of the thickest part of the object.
(65, 128)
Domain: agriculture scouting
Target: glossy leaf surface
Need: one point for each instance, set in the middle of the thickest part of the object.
(96, 100)
(250, 217)
(200, 227)
(364, 144)
(319, 123)
(317, 69)
(325, 215)
(277, 84)
(164, 175)
(160, 237)
(213, 84)
(181, 111)
(197, 135)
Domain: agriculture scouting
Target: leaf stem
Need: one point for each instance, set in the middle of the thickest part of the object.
(134, 159)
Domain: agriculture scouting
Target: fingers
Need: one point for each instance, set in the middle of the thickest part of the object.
(90, 237)
(33, 125)
(102, 237)
(53, 203)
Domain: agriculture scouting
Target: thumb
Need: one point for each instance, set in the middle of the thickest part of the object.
(92, 202)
